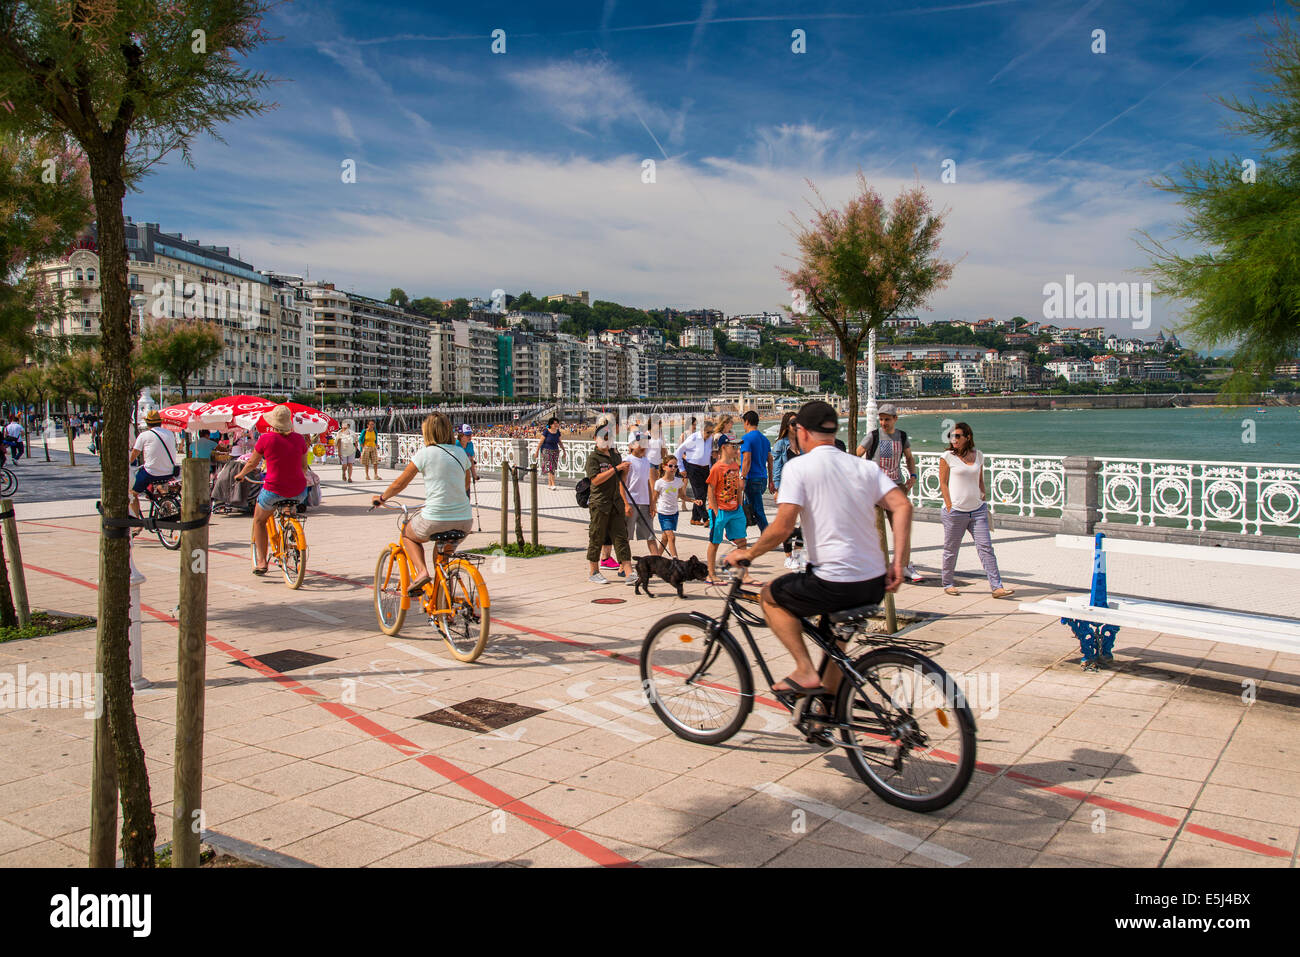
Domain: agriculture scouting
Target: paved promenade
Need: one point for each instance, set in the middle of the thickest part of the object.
(327, 760)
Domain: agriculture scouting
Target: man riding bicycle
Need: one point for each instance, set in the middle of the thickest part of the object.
(156, 446)
(833, 497)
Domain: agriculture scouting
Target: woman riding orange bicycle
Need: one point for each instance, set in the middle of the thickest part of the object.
(285, 453)
(446, 471)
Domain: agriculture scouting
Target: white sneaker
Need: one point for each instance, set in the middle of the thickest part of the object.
(598, 579)
(913, 576)
(631, 580)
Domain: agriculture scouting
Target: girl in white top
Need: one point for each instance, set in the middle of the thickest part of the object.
(961, 482)
(669, 493)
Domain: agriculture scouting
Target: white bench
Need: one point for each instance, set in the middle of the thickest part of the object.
(1095, 619)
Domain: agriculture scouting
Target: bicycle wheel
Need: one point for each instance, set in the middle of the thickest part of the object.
(8, 482)
(294, 537)
(922, 754)
(391, 582)
(168, 508)
(465, 630)
(699, 686)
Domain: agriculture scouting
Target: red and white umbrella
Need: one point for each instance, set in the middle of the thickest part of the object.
(180, 417)
(306, 420)
(232, 407)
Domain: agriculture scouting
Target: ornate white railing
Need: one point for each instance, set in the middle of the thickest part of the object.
(1241, 496)
(1016, 484)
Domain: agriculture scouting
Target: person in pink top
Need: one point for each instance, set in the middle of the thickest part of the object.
(285, 453)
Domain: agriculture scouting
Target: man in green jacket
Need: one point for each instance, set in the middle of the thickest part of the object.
(608, 503)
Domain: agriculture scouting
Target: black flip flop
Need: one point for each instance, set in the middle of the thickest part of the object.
(261, 571)
(418, 586)
(798, 689)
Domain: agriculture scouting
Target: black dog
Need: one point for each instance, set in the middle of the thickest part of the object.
(672, 570)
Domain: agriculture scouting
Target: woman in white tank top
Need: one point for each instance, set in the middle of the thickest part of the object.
(961, 482)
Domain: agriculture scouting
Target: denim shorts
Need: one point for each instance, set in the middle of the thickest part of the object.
(728, 525)
(269, 500)
(668, 523)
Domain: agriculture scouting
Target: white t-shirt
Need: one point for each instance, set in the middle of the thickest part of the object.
(837, 494)
(669, 501)
(156, 459)
(638, 478)
(964, 481)
(15, 431)
(654, 451)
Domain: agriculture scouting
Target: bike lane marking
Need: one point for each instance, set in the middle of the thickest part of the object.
(570, 837)
(1107, 803)
(881, 832)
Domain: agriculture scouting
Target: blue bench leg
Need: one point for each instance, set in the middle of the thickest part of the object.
(1096, 641)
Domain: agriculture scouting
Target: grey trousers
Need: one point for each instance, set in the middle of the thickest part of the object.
(955, 525)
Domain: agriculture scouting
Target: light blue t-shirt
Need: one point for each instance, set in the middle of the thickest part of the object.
(444, 468)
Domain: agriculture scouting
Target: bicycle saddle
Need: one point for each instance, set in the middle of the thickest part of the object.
(854, 614)
(455, 535)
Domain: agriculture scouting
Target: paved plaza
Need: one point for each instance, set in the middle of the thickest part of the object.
(1187, 754)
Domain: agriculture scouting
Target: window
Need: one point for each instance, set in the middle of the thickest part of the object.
(78, 275)
(90, 275)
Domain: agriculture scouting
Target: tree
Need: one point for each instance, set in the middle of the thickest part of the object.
(459, 309)
(428, 306)
(399, 298)
(864, 264)
(180, 349)
(130, 83)
(1243, 282)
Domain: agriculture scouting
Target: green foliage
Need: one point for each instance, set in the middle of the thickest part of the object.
(179, 349)
(45, 623)
(428, 306)
(513, 550)
(1241, 276)
(398, 297)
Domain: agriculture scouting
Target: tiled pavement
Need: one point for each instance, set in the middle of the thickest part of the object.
(1161, 765)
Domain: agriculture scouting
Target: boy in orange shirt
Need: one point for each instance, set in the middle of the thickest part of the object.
(726, 518)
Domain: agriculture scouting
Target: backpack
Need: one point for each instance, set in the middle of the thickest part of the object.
(583, 492)
(874, 441)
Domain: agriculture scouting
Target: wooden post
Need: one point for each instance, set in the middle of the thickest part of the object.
(532, 490)
(191, 660)
(16, 574)
(505, 498)
(891, 617)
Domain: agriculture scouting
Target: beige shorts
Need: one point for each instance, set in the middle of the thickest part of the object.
(370, 456)
(421, 529)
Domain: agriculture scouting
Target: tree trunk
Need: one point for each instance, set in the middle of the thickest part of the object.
(851, 379)
(8, 614)
(138, 828)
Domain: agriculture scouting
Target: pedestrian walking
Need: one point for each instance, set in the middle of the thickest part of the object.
(345, 444)
(726, 517)
(654, 449)
(961, 481)
(15, 437)
(608, 502)
(638, 492)
(721, 430)
(785, 449)
(465, 439)
(755, 468)
(669, 493)
(370, 449)
(888, 446)
(696, 456)
(548, 451)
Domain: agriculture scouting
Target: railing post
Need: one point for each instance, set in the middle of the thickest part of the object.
(1079, 514)
(505, 496)
(136, 651)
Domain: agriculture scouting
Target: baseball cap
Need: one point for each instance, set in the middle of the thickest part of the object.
(466, 430)
(818, 416)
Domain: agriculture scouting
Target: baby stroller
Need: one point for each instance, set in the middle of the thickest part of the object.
(229, 495)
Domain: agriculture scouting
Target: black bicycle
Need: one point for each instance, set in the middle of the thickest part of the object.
(902, 719)
(165, 503)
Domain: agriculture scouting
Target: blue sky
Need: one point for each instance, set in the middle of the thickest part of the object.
(523, 170)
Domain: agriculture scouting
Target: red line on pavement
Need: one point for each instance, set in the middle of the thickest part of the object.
(570, 837)
(1108, 803)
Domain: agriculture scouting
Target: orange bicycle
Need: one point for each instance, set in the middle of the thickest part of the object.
(455, 597)
(286, 542)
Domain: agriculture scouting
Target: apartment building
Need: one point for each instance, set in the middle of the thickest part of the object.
(745, 336)
(697, 337)
(1074, 370)
(764, 380)
(966, 376)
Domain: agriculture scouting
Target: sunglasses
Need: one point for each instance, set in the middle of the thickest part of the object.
(959, 435)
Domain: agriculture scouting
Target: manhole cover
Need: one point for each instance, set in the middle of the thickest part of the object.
(288, 660)
(608, 601)
(480, 714)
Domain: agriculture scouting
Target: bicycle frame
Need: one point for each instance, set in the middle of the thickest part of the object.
(821, 636)
(438, 579)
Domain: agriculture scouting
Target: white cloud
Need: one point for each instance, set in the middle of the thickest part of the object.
(468, 222)
(344, 125)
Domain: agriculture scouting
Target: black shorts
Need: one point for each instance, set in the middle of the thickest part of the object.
(805, 595)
